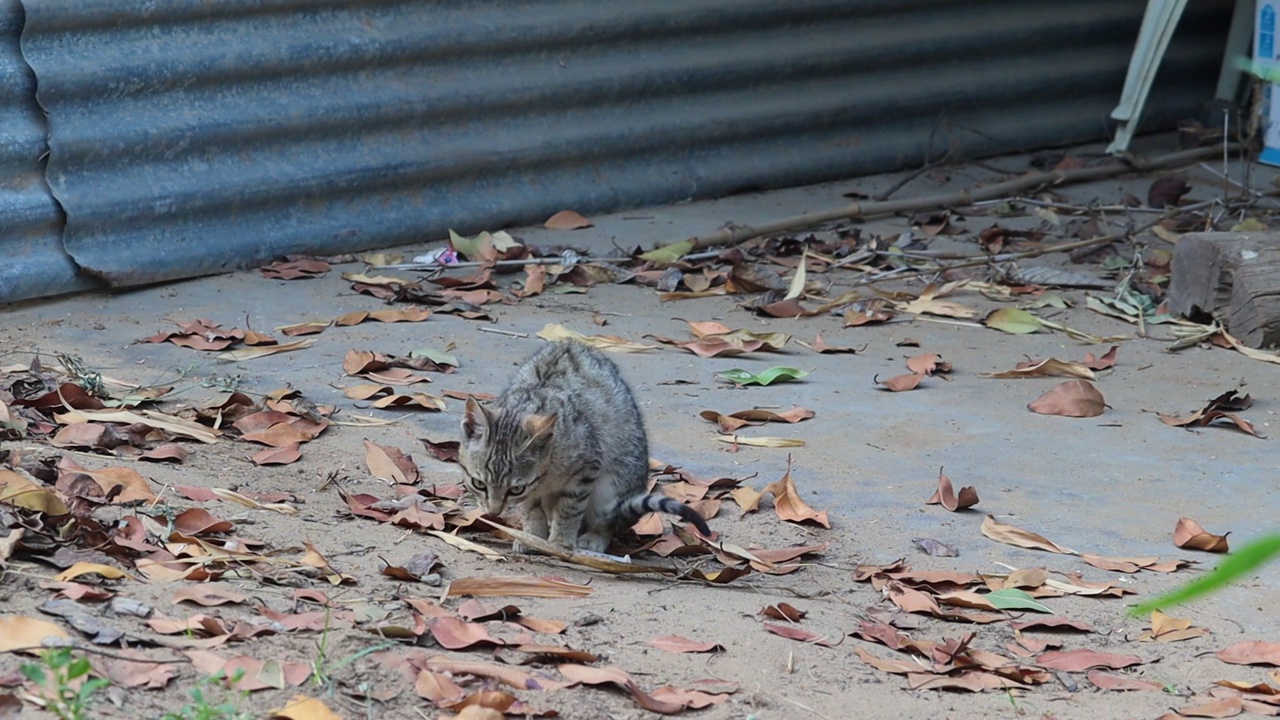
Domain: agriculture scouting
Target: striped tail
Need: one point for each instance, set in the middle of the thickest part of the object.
(636, 507)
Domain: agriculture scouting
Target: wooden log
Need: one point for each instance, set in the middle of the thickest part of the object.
(1233, 277)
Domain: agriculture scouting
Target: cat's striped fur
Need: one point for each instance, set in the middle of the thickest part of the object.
(566, 442)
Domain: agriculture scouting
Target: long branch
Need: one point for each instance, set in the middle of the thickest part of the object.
(1031, 181)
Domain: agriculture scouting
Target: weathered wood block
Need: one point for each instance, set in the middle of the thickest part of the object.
(1234, 277)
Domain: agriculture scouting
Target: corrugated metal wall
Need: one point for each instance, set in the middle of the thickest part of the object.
(189, 137)
(32, 261)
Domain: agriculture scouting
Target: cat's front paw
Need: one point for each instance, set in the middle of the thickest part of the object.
(520, 548)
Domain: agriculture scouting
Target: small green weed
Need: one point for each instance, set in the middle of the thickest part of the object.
(57, 674)
(204, 706)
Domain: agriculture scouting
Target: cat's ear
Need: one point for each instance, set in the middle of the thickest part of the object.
(539, 428)
(475, 421)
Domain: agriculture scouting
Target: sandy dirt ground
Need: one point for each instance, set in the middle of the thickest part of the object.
(1114, 485)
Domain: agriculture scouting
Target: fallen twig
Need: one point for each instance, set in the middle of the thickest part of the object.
(500, 331)
(737, 233)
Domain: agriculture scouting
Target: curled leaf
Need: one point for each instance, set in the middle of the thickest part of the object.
(900, 383)
(608, 343)
(1188, 534)
(1045, 368)
(1016, 536)
(947, 497)
(1073, 398)
(567, 220)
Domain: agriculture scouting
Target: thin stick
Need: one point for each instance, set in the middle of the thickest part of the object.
(500, 331)
(557, 260)
(95, 651)
(736, 233)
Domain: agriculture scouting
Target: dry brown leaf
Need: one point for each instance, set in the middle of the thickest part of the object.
(767, 442)
(567, 220)
(900, 383)
(89, 568)
(1052, 367)
(1110, 681)
(889, 665)
(789, 506)
(137, 672)
(867, 312)
(1134, 564)
(928, 304)
(1251, 652)
(301, 707)
(1081, 660)
(946, 495)
(611, 675)
(27, 634)
(284, 455)
(534, 283)
(455, 634)
(677, 644)
(1052, 624)
(1108, 359)
(17, 490)
(123, 485)
(928, 364)
(1073, 398)
(390, 464)
(1189, 535)
(1011, 535)
(1222, 407)
(525, 586)
(783, 611)
(413, 400)
(819, 345)
(209, 594)
(1171, 629)
(970, 680)
(691, 699)
(608, 343)
(151, 418)
(732, 421)
(747, 498)
(710, 347)
(792, 632)
(253, 353)
(1222, 708)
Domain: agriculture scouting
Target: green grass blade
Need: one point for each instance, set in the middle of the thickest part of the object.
(1234, 567)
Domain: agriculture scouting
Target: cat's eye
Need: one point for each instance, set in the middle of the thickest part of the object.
(479, 486)
(516, 491)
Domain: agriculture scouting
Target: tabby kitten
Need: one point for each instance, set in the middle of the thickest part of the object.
(564, 441)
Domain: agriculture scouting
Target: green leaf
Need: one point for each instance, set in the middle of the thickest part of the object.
(438, 357)
(1236, 566)
(669, 253)
(34, 673)
(57, 659)
(1013, 321)
(738, 376)
(1050, 299)
(78, 669)
(1015, 599)
(473, 248)
(1249, 224)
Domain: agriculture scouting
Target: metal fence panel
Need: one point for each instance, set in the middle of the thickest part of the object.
(32, 261)
(191, 137)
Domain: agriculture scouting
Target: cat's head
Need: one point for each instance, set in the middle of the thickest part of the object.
(503, 453)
